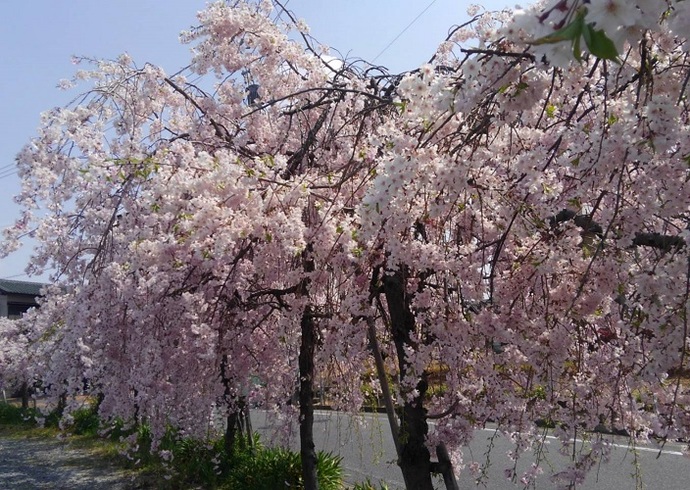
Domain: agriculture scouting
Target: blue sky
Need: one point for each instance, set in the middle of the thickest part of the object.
(38, 39)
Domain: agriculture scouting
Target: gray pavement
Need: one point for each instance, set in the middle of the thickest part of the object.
(367, 449)
(53, 464)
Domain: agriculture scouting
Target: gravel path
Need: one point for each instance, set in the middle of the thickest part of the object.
(37, 463)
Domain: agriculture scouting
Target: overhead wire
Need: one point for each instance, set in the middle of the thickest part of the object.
(10, 169)
(16, 275)
(403, 31)
(6, 174)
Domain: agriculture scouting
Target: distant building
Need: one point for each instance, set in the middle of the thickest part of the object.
(16, 297)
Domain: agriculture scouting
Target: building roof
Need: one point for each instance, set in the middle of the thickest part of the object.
(8, 286)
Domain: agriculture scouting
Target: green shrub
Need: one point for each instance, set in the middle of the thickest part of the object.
(53, 418)
(367, 485)
(203, 463)
(329, 470)
(85, 421)
(11, 415)
(281, 469)
(198, 462)
(116, 430)
(266, 469)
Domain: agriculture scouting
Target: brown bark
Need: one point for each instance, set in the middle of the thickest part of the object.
(238, 425)
(306, 382)
(306, 401)
(236, 406)
(24, 394)
(415, 459)
(230, 433)
(445, 467)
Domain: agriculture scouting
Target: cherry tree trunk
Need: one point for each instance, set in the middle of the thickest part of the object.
(24, 394)
(414, 459)
(307, 349)
(230, 433)
(306, 400)
(238, 424)
(232, 418)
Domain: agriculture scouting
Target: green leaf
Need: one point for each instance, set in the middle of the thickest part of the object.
(577, 51)
(587, 34)
(520, 87)
(571, 32)
(599, 44)
(402, 106)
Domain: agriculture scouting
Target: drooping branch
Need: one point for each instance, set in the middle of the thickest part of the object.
(588, 225)
(221, 131)
(657, 240)
(494, 52)
(385, 388)
(296, 158)
(276, 292)
(583, 221)
(333, 91)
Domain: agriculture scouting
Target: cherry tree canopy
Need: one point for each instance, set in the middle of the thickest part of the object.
(514, 215)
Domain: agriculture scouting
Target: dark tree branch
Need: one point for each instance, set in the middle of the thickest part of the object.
(445, 413)
(297, 158)
(335, 91)
(276, 292)
(657, 240)
(505, 54)
(588, 225)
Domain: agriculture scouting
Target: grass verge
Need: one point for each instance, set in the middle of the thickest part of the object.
(179, 462)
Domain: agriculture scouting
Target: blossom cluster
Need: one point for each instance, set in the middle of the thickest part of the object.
(559, 27)
(514, 225)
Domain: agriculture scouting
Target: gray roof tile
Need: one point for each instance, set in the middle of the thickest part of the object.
(8, 286)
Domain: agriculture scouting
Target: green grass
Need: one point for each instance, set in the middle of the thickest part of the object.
(367, 485)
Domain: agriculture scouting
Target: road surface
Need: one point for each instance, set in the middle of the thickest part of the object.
(365, 444)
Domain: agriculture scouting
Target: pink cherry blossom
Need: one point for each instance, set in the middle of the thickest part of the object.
(508, 223)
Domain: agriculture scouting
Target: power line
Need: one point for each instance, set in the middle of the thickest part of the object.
(282, 11)
(404, 30)
(16, 275)
(4, 175)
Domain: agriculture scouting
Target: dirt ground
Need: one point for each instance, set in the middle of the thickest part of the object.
(50, 463)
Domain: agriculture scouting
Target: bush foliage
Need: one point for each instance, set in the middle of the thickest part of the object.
(181, 462)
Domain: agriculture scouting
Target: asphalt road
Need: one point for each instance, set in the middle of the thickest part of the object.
(367, 450)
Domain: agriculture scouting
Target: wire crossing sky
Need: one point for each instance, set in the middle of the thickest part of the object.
(403, 31)
(41, 37)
